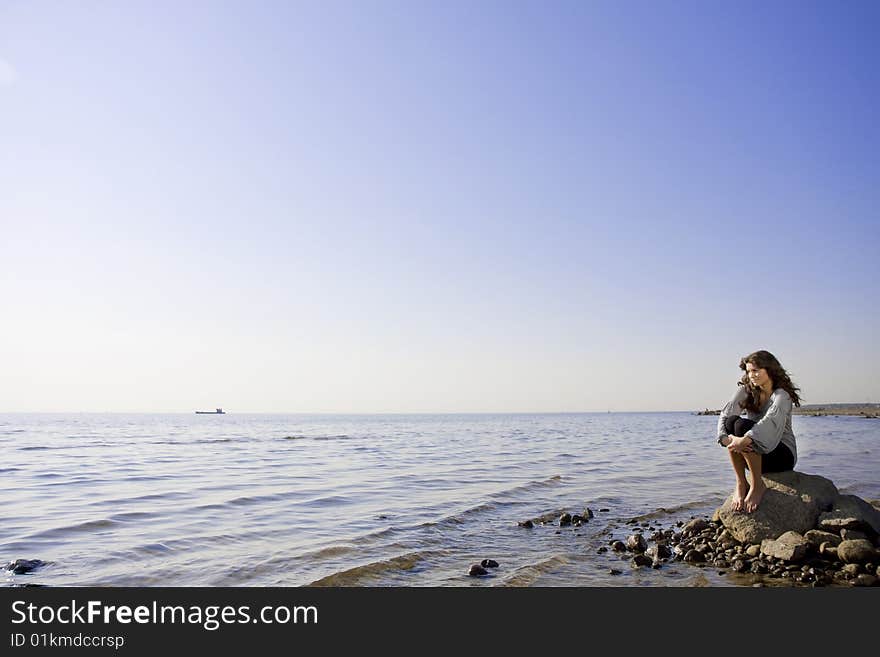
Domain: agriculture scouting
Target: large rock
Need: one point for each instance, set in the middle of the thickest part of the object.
(817, 537)
(820, 490)
(791, 546)
(851, 512)
(793, 502)
(858, 551)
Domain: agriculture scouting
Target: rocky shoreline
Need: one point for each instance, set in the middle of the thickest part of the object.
(804, 533)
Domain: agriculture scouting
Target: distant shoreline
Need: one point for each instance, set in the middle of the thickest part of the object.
(867, 410)
(818, 410)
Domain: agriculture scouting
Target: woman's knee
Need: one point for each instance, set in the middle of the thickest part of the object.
(729, 424)
(741, 425)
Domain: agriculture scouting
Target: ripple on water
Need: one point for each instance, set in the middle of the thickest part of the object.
(375, 572)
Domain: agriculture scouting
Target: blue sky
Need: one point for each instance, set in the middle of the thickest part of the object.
(431, 207)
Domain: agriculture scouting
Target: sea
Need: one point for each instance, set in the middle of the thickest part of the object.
(251, 500)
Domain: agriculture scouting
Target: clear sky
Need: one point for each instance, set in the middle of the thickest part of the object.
(435, 206)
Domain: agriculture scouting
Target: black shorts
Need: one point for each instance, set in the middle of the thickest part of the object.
(779, 460)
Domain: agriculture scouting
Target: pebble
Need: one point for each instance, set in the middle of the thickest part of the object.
(477, 571)
(641, 560)
(865, 580)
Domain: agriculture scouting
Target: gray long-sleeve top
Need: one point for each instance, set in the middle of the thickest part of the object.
(773, 421)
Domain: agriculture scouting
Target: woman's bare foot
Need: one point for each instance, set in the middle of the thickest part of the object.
(739, 495)
(753, 499)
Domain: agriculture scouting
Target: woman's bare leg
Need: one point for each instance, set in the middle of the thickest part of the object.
(753, 499)
(742, 484)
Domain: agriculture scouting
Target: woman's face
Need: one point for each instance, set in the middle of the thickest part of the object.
(758, 376)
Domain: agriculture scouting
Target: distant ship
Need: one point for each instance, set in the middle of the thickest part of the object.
(217, 411)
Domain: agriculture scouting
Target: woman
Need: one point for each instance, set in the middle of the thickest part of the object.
(763, 442)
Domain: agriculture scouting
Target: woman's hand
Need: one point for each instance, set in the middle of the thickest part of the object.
(740, 445)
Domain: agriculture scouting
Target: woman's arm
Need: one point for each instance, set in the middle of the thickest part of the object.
(767, 432)
(731, 409)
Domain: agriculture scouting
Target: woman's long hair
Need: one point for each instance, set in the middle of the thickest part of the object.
(780, 378)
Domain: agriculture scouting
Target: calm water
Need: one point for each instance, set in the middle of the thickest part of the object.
(274, 500)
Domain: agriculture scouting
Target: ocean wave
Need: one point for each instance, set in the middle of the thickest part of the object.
(76, 528)
(460, 517)
(529, 574)
(171, 495)
(133, 515)
(281, 564)
(319, 437)
(185, 441)
(244, 500)
(664, 512)
(375, 570)
(371, 536)
(329, 500)
(529, 486)
(163, 548)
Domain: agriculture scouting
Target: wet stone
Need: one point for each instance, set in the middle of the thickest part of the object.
(22, 566)
(693, 556)
(852, 569)
(865, 580)
(477, 571)
(636, 543)
(641, 560)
